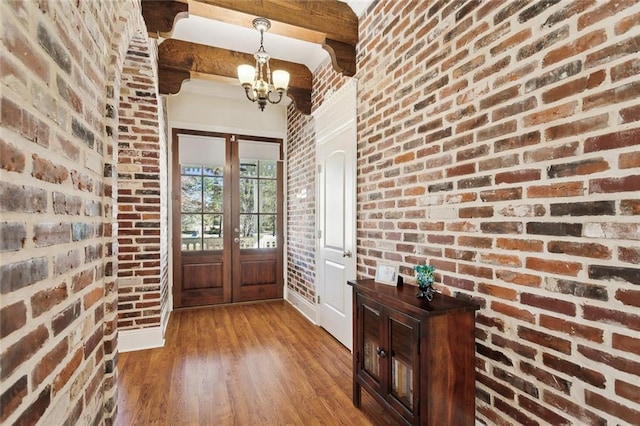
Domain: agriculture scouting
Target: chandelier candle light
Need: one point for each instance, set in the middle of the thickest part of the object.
(253, 80)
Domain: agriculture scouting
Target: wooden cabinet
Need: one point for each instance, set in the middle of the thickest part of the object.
(416, 358)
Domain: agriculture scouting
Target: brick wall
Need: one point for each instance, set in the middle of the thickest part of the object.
(142, 259)
(301, 185)
(325, 83)
(60, 68)
(499, 141)
(301, 213)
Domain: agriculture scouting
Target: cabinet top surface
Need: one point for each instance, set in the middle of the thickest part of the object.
(406, 294)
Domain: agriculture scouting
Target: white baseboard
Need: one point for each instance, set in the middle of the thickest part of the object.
(139, 339)
(305, 307)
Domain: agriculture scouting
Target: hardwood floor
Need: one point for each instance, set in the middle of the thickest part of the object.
(251, 364)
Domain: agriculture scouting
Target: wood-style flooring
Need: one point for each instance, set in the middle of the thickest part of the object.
(250, 364)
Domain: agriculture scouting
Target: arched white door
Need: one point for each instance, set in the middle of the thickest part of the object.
(336, 207)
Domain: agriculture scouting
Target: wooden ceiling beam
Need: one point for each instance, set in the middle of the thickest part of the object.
(161, 16)
(330, 23)
(170, 80)
(343, 56)
(332, 18)
(178, 55)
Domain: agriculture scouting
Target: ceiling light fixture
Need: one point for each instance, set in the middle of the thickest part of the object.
(253, 80)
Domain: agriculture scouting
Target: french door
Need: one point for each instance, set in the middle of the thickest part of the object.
(227, 218)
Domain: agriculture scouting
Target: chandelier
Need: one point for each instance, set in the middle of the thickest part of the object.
(257, 81)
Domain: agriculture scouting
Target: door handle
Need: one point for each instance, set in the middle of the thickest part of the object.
(347, 253)
(236, 230)
(236, 240)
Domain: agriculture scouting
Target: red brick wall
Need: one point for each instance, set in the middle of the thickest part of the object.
(301, 186)
(301, 216)
(499, 141)
(60, 69)
(142, 272)
(325, 82)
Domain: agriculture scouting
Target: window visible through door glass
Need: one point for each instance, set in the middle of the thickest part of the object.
(201, 192)
(258, 199)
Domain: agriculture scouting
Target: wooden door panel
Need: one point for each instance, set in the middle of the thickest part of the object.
(202, 276)
(258, 272)
(201, 297)
(203, 279)
(258, 277)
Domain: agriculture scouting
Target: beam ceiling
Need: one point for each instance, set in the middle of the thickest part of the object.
(184, 56)
(330, 23)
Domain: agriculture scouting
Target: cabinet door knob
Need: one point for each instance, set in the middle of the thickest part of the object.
(381, 352)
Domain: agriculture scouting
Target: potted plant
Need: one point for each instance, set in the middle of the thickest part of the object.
(424, 279)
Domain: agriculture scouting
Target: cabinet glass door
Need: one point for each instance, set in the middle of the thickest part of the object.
(371, 341)
(403, 338)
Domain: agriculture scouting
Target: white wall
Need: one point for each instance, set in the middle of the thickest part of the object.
(231, 113)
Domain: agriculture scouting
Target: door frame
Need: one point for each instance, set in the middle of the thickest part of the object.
(175, 222)
(336, 116)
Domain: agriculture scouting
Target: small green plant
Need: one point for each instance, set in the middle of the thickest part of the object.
(425, 279)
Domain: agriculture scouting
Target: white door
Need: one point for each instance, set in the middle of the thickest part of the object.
(336, 237)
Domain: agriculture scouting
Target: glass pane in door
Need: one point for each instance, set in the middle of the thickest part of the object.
(191, 232)
(267, 237)
(268, 196)
(213, 194)
(248, 195)
(268, 169)
(248, 231)
(248, 167)
(259, 192)
(201, 190)
(258, 203)
(191, 194)
(212, 232)
(202, 211)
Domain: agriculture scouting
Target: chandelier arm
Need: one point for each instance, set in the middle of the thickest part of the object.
(247, 89)
(280, 93)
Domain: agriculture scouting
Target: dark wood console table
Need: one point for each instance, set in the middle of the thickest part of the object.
(416, 358)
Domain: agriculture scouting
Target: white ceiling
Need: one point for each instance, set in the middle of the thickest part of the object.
(206, 31)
